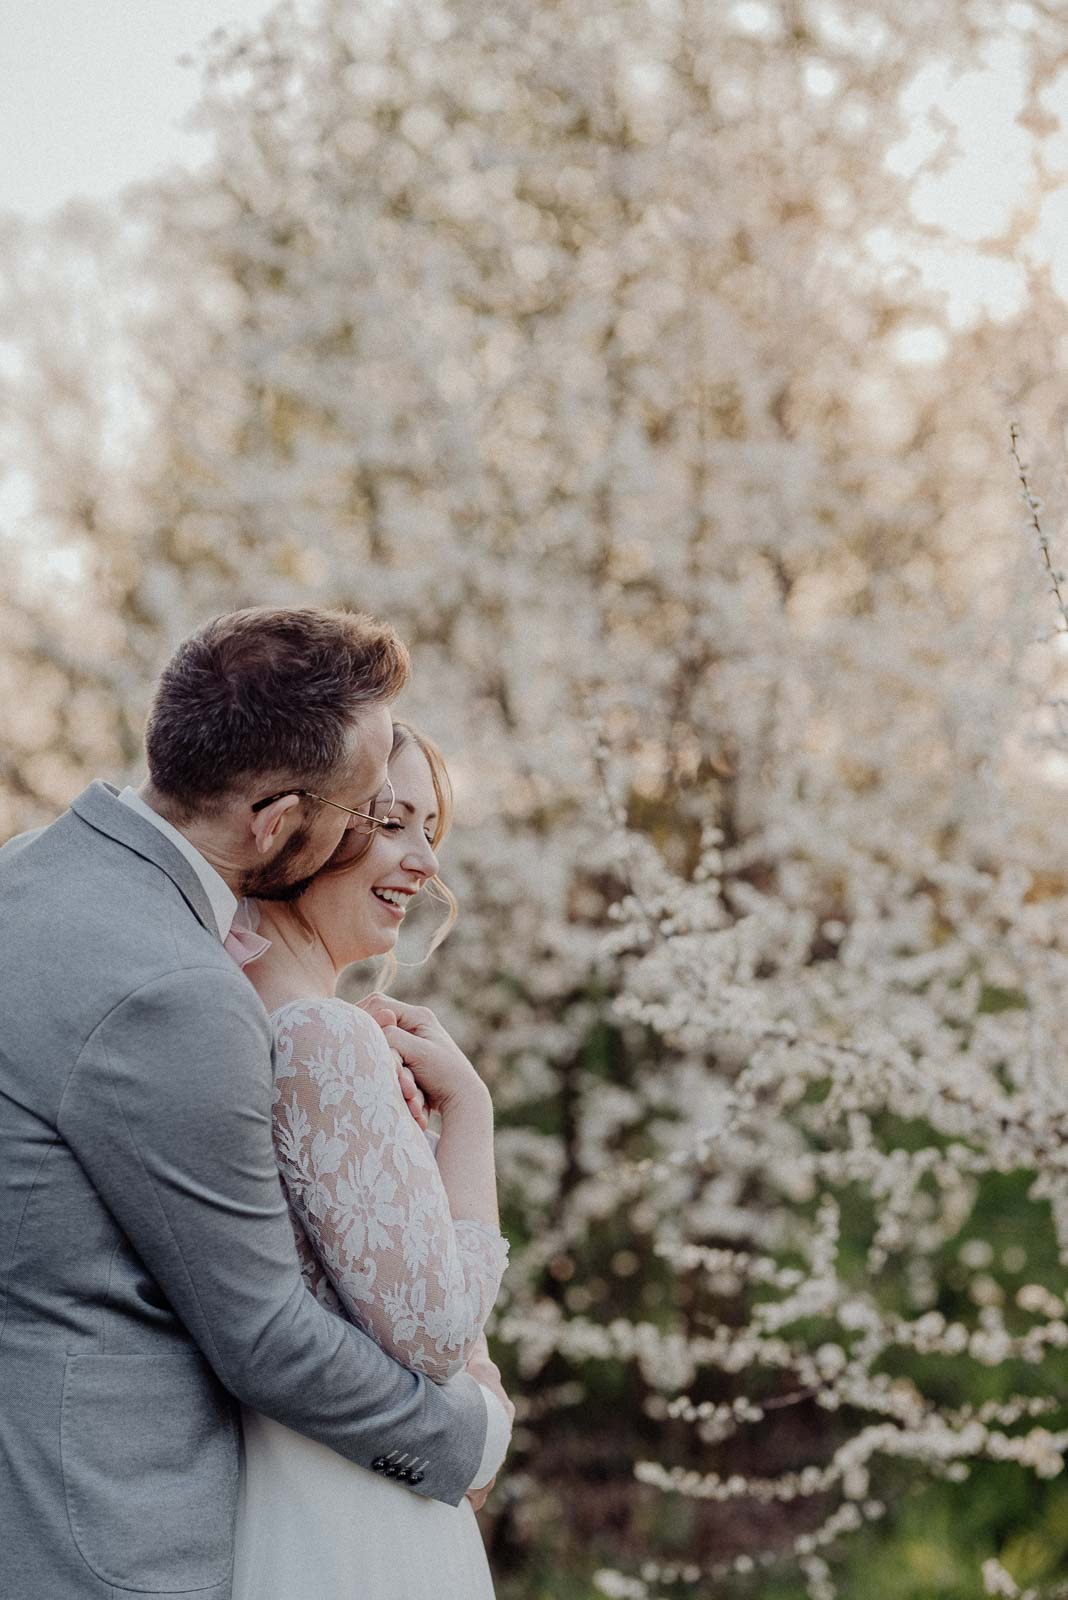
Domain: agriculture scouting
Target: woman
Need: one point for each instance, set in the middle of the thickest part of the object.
(406, 1245)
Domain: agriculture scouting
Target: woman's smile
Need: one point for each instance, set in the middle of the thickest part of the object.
(394, 898)
(333, 923)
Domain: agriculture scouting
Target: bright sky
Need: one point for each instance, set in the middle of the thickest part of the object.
(91, 93)
(986, 176)
(91, 97)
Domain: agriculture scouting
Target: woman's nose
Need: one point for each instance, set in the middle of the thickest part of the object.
(422, 859)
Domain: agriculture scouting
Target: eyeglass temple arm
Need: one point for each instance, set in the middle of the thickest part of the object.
(261, 805)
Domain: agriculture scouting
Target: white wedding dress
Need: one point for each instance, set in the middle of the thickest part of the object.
(379, 1246)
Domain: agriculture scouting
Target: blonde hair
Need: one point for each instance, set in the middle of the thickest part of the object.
(405, 735)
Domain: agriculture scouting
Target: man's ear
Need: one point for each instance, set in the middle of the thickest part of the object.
(268, 826)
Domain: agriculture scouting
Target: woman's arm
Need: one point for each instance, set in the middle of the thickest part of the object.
(480, 1364)
(482, 1367)
(365, 1187)
(455, 1090)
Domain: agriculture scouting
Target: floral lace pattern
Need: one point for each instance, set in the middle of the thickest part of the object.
(377, 1241)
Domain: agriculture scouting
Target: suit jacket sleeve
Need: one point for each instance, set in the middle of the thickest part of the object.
(169, 1110)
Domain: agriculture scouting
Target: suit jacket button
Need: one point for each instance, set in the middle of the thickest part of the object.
(378, 1463)
(392, 1470)
(417, 1477)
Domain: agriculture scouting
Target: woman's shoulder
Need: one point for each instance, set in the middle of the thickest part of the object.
(325, 1015)
(319, 1027)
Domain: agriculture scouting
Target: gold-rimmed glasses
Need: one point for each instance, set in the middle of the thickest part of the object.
(370, 822)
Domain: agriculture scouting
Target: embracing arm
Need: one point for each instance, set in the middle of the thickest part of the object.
(480, 1364)
(169, 1111)
(368, 1193)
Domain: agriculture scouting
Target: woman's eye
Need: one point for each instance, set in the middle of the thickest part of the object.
(393, 824)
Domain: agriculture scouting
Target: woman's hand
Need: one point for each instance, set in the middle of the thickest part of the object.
(413, 1095)
(482, 1367)
(437, 1063)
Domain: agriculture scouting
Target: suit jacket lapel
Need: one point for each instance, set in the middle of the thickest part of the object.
(101, 808)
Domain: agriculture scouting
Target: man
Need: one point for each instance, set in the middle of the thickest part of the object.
(148, 1273)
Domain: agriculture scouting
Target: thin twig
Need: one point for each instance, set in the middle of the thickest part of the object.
(1034, 507)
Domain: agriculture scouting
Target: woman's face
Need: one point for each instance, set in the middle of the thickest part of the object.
(358, 913)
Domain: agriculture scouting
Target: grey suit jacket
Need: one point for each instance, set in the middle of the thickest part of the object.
(148, 1273)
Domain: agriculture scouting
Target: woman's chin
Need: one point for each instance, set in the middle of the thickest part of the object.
(378, 943)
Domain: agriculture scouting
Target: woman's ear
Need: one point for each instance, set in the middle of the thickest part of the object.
(268, 826)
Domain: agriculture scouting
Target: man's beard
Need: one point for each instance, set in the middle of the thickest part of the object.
(269, 882)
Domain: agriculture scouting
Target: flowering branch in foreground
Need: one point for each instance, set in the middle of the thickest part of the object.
(874, 1098)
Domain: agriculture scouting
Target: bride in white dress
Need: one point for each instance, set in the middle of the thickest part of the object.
(397, 1228)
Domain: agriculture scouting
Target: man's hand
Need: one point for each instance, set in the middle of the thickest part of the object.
(478, 1497)
(413, 1095)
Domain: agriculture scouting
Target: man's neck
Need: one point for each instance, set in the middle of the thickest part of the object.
(205, 836)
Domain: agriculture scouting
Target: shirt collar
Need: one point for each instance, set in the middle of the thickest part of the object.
(221, 897)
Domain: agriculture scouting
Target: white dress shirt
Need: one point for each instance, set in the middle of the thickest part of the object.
(224, 905)
(221, 897)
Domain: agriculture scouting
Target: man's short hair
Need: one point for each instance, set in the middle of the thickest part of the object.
(266, 692)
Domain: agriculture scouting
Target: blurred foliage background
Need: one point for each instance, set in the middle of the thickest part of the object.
(631, 356)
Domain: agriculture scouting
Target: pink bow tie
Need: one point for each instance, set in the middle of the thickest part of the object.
(244, 945)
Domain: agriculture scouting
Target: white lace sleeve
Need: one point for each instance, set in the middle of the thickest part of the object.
(362, 1180)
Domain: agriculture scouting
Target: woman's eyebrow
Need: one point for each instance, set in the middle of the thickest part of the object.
(431, 816)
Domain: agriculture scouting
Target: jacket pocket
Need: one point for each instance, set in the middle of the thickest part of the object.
(149, 1446)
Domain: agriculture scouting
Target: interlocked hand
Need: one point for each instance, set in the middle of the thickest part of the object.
(413, 1095)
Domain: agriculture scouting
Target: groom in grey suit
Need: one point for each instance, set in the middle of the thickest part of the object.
(148, 1274)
